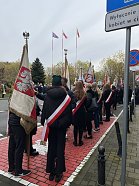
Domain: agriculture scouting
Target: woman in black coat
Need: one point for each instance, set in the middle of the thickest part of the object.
(80, 115)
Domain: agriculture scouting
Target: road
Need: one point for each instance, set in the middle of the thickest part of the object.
(4, 116)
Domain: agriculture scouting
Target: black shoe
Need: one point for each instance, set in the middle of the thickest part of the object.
(58, 177)
(75, 143)
(11, 171)
(96, 130)
(80, 143)
(23, 173)
(34, 153)
(51, 176)
(88, 137)
(33, 150)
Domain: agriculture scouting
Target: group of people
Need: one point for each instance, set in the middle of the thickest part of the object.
(61, 108)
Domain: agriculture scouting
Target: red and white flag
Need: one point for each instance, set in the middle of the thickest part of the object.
(23, 102)
(106, 79)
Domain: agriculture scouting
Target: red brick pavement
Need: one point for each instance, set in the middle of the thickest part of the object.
(74, 156)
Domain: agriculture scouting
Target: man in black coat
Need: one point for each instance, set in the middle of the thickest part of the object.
(55, 95)
(16, 146)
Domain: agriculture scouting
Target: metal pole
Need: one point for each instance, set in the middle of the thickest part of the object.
(26, 37)
(134, 92)
(125, 106)
(28, 150)
(101, 166)
(65, 50)
(118, 138)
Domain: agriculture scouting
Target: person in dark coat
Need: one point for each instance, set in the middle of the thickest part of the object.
(80, 115)
(114, 97)
(16, 146)
(55, 95)
(107, 101)
(120, 95)
(91, 113)
(129, 94)
(33, 151)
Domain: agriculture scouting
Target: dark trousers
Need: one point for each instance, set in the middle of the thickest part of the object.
(16, 148)
(89, 119)
(56, 151)
(78, 129)
(100, 112)
(108, 112)
(96, 118)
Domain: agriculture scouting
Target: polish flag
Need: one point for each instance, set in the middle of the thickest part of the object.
(23, 102)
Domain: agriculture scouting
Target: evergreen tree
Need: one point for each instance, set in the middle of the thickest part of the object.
(37, 71)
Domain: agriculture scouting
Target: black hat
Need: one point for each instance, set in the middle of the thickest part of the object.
(56, 80)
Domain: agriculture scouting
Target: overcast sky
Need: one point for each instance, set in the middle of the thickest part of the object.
(42, 17)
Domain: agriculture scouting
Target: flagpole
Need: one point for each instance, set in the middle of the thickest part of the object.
(52, 55)
(26, 37)
(65, 61)
(62, 46)
(76, 55)
(62, 55)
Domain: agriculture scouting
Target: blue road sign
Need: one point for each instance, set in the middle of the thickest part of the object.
(113, 5)
(134, 58)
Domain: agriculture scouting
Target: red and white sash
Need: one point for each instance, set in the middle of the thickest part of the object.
(109, 97)
(78, 105)
(54, 116)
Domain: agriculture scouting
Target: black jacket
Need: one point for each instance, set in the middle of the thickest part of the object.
(55, 95)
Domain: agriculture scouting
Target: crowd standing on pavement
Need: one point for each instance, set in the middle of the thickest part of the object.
(83, 107)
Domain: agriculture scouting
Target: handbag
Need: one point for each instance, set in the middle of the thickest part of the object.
(93, 106)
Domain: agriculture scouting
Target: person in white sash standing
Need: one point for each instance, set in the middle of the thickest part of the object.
(56, 118)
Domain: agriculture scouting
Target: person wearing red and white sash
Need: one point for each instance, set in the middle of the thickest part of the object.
(79, 113)
(57, 114)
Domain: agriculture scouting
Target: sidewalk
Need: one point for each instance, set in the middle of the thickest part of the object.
(88, 175)
(76, 158)
(81, 162)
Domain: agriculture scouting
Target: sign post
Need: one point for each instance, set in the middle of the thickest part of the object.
(123, 14)
(125, 111)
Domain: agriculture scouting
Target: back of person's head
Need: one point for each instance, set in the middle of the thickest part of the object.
(94, 86)
(106, 86)
(79, 90)
(56, 80)
(113, 87)
(88, 86)
(79, 85)
(64, 81)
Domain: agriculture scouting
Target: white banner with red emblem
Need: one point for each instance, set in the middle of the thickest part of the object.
(23, 102)
(89, 78)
